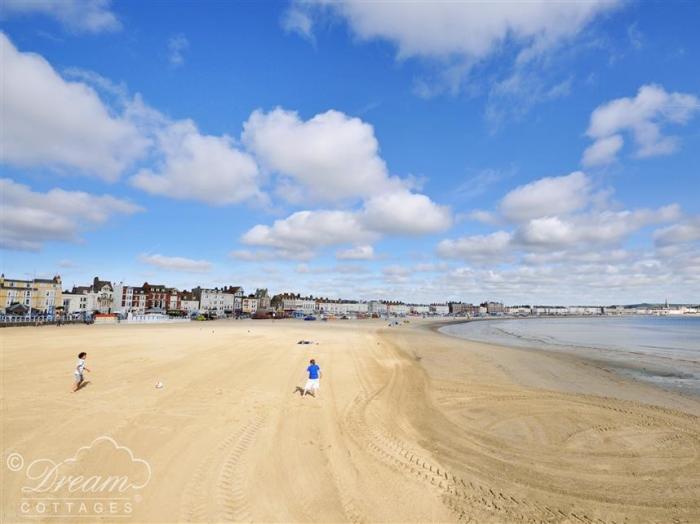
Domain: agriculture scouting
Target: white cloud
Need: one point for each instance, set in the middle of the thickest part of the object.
(295, 20)
(30, 218)
(396, 273)
(177, 45)
(80, 16)
(582, 256)
(101, 83)
(681, 233)
(486, 217)
(562, 229)
(643, 117)
(471, 30)
(547, 197)
(602, 151)
(306, 230)
(334, 156)
(200, 167)
(604, 227)
(453, 38)
(491, 247)
(400, 213)
(362, 252)
(48, 121)
(246, 255)
(405, 213)
(187, 265)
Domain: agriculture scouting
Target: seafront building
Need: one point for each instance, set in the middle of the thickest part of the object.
(76, 304)
(214, 302)
(398, 309)
(341, 307)
(44, 298)
(21, 297)
(128, 299)
(439, 309)
(157, 297)
(419, 309)
(494, 308)
(249, 305)
(188, 302)
(376, 307)
(291, 303)
(238, 294)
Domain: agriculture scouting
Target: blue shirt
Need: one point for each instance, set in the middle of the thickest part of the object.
(313, 370)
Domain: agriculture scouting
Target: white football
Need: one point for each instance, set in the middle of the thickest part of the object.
(159, 385)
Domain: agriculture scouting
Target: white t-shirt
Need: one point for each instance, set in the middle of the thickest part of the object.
(80, 367)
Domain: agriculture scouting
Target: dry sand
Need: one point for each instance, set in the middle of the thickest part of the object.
(410, 425)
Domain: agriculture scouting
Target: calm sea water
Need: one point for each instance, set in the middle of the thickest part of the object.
(662, 350)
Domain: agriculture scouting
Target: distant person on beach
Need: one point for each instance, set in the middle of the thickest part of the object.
(314, 381)
(79, 369)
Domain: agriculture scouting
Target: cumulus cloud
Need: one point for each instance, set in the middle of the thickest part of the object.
(401, 213)
(491, 247)
(187, 265)
(643, 117)
(547, 197)
(79, 16)
(247, 255)
(454, 38)
(362, 252)
(612, 256)
(405, 213)
(684, 232)
(333, 156)
(50, 122)
(603, 227)
(64, 125)
(205, 168)
(471, 30)
(555, 219)
(305, 230)
(602, 151)
(29, 218)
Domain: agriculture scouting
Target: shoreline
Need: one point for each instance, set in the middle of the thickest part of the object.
(639, 368)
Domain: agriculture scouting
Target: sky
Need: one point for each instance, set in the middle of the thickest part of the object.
(530, 153)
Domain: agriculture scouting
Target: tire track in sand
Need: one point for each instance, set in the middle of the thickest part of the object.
(217, 492)
(467, 500)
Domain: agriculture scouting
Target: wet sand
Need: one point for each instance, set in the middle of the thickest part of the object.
(410, 425)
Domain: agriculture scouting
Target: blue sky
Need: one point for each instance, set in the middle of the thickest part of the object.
(530, 153)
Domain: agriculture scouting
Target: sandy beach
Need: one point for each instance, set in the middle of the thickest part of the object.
(410, 425)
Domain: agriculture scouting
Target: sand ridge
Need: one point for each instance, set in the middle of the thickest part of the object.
(410, 425)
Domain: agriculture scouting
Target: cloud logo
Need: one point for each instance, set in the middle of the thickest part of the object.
(102, 468)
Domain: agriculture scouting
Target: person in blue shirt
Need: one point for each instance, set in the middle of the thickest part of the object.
(314, 381)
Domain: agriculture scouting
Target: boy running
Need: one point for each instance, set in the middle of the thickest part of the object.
(314, 382)
(78, 372)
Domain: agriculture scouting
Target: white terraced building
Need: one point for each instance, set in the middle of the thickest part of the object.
(341, 308)
(77, 303)
(305, 305)
(440, 309)
(375, 307)
(420, 309)
(398, 309)
(214, 301)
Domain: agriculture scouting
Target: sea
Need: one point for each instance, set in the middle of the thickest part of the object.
(663, 350)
